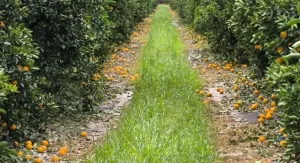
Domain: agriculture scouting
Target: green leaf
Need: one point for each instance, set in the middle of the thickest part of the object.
(293, 21)
(298, 8)
(296, 45)
(2, 111)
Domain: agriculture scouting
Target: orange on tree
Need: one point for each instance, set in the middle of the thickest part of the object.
(243, 79)
(256, 92)
(13, 127)
(3, 124)
(260, 97)
(201, 92)
(283, 35)
(279, 60)
(26, 68)
(279, 50)
(14, 82)
(40, 149)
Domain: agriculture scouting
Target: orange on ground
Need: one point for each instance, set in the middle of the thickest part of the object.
(37, 160)
(236, 106)
(27, 157)
(28, 146)
(83, 134)
(20, 153)
(261, 139)
(40, 149)
(45, 143)
(54, 158)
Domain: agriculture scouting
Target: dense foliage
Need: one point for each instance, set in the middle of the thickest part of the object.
(258, 33)
(51, 54)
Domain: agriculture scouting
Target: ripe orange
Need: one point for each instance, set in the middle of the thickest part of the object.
(252, 84)
(221, 91)
(262, 116)
(13, 127)
(254, 106)
(266, 101)
(27, 157)
(54, 158)
(268, 116)
(273, 109)
(283, 35)
(273, 104)
(284, 135)
(45, 143)
(236, 106)
(28, 142)
(40, 149)
(260, 97)
(83, 134)
(256, 92)
(279, 50)
(201, 92)
(261, 139)
(281, 130)
(28, 146)
(62, 152)
(282, 143)
(218, 89)
(273, 96)
(26, 68)
(3, 124)
(20, 153)
(14, 82)
(44, 147)
(37, 160)
(235, 88)
(260, 120)
(208, 94)
(279, 60)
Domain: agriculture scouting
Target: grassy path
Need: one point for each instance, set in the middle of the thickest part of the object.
(165, 121)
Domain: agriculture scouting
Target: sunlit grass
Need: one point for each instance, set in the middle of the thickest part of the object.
(165, 121)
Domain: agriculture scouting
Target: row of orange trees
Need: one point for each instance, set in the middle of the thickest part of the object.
(50, 52)
(263, 34)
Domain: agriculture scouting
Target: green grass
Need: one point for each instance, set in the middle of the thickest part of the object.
(166, 120)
